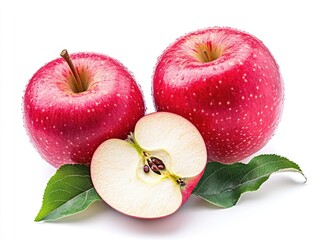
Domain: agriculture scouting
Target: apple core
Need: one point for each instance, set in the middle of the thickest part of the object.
(155, 161)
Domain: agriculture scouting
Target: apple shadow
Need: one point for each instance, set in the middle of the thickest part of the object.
(100, 213)
(153, 227)
(197, 202)
(165, 226)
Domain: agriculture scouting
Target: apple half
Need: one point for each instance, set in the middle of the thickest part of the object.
(153, 172)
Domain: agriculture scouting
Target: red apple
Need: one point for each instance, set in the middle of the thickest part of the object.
(72, 106)
(227, 83)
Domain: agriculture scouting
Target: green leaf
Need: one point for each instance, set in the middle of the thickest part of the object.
(68, 192)
(223, 184)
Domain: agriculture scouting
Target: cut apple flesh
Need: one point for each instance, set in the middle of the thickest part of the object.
(176, 136)
(145, 176)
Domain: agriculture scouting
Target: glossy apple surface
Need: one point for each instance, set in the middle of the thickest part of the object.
(227, 83)
(66, 124)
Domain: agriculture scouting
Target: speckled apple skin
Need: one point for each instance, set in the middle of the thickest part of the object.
(235, 101)
(190, 185)
(66, 127)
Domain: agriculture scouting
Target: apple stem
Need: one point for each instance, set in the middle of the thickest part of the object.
(206, 56)
(76, 76)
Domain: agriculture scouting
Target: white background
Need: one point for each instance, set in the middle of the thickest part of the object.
(33, 33)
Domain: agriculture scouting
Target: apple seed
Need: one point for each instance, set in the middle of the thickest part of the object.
(157, 161)
(154, 167)
(146, 168)
(161, 167)
(181, 182)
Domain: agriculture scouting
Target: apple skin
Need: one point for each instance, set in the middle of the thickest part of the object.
(190, 185)
(66, 127)
(235, 99)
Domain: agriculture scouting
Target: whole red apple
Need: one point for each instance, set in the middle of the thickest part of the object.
(72, 105)
(227, 83)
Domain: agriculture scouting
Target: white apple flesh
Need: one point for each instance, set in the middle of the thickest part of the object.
(71, 107)
(154, 172)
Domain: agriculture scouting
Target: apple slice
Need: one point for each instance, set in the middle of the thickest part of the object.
(153, 172)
